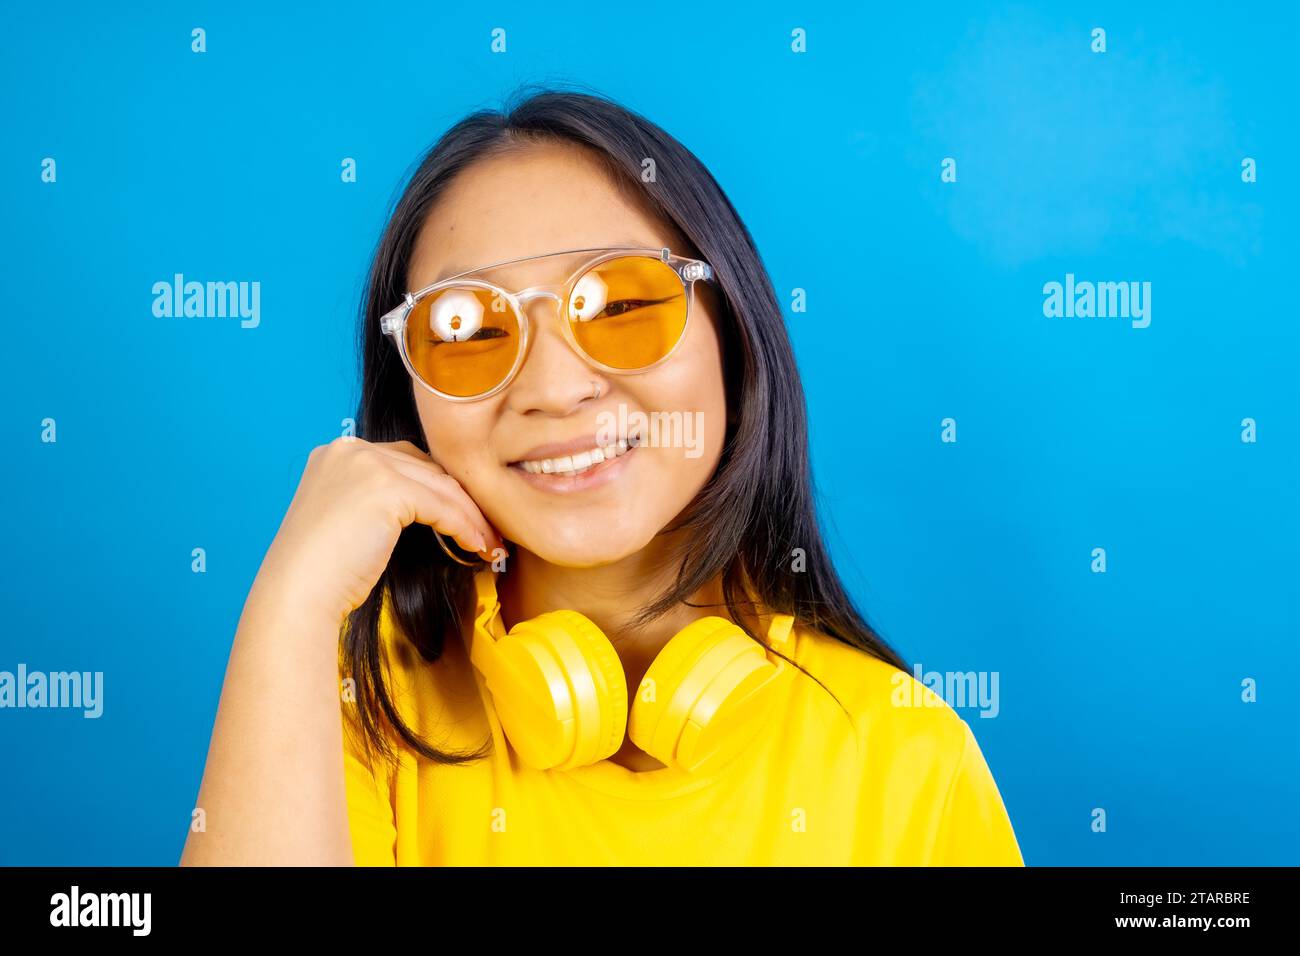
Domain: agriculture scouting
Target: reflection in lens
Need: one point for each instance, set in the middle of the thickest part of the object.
(589, 297)
(456, 316)
(629, 312)
(460, 342)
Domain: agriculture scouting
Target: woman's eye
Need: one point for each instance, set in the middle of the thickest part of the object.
(623, 306)
(486, 332)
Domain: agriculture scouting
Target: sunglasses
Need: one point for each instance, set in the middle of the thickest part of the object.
(624, 310)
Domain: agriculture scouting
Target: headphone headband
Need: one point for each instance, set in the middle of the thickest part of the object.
(561, 697)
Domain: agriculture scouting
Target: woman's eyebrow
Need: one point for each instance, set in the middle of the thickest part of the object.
(450, 271)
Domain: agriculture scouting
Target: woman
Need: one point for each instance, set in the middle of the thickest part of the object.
(575, 369)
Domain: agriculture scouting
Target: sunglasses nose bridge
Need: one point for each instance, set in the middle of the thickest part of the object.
(527, 296)
(555, 293)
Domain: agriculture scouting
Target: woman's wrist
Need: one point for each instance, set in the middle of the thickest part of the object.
(290, 606)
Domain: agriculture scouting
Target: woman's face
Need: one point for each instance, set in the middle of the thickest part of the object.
(541, 199)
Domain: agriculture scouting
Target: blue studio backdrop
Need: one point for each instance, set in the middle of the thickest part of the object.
(1091, 509)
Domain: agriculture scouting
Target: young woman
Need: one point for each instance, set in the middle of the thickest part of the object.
(587, 615)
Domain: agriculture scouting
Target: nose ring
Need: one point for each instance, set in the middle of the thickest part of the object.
(596, 392)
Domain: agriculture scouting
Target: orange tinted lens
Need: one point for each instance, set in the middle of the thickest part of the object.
(629, 312)
(463, 340)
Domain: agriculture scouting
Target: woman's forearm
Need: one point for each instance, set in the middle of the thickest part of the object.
(273, 787)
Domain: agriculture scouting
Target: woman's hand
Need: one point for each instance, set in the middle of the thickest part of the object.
(353, 501)
(273, 790)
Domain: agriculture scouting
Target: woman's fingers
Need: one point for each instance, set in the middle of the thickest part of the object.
(431, 506)
(416, 464)
(450, 491)
(403, 448)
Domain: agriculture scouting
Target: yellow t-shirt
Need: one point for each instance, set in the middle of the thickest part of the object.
(895, 785)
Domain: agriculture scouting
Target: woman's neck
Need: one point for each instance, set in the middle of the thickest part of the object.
(611, 596)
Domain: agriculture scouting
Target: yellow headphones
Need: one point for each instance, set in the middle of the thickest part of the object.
(561, 695)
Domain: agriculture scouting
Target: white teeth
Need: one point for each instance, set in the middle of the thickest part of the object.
(576, 464)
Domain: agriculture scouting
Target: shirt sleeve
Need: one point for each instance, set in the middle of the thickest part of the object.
(974, 828)
(370, 809)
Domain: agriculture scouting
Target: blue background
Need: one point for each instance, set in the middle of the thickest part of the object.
(1119, 690)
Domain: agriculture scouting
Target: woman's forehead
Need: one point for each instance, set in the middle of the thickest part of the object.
(526, 203)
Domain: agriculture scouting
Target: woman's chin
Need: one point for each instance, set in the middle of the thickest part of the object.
(590, 546)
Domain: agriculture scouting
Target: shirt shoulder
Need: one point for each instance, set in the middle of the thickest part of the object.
(887, 705)
(917, 755)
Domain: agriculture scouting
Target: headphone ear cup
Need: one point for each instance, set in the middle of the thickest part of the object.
(703, 697)
(602, 660)
(560, 691)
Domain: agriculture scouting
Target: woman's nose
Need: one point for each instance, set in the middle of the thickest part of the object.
(554, 380)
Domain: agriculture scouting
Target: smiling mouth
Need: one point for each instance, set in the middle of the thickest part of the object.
(581, 462)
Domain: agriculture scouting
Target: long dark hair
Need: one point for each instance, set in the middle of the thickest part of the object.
(755, 520)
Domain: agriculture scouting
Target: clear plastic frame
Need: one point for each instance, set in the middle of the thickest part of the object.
(568, 296)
